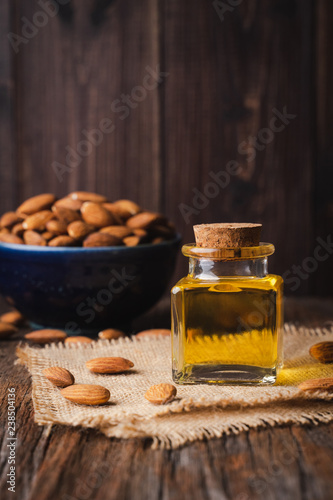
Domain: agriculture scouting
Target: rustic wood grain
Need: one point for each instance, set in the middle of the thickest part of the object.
(324, 152)
(8, 178)
(70, 73)
(225, 77)
(288, 462)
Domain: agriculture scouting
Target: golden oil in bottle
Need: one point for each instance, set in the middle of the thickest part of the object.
(227, 313)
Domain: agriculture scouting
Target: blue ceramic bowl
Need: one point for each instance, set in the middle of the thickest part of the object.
(84, 290)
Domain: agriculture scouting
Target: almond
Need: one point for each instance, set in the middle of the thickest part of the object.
(45, 336)
(78, 339)
(140, 232)
(34, 238)
(130, 206)
(124, 208)
(86, 196)
(11, 238)
(62, 241)
(79, 229)
(36, 203)
(145, 220)
(158, 240)
(47, 235)
(118, 231)
(111, 333)
(109, 365)
(101, 240)
(57, 227)
(18, 229)
(110, 208)
(323, 352)
(6, 330)
(132, 241)
(59, 376)
(317, 384)
(96, 214)
(9, 219)
(65, 214)
(86, 394)
(4, 230)
(68, 202)
(154, 332)
(38, 220)
(13, 318)
(161, 394)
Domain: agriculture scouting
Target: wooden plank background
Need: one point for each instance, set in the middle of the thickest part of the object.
(228, 67)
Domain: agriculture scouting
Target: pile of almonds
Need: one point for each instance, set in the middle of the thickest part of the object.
(83, 219)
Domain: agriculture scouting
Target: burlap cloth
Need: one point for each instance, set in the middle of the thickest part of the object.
(200, 411)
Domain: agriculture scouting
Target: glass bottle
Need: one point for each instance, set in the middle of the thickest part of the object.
(227, 316)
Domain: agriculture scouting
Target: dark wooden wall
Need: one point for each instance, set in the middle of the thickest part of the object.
(229, 66)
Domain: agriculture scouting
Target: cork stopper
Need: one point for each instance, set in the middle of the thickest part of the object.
(227, 235)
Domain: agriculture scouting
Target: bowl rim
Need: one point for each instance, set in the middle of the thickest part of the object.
(69, 250)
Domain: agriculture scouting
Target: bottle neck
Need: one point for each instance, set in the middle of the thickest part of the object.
(209, 269)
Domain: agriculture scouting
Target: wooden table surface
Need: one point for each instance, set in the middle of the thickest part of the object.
(63, 463)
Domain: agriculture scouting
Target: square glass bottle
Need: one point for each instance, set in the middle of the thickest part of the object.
(227, 312)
